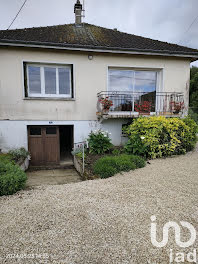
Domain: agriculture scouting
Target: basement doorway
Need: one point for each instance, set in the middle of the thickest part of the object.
(66, 134)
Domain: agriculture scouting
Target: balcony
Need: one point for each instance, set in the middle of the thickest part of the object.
(116, 104)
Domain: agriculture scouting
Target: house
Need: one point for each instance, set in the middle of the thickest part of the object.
(53, 80)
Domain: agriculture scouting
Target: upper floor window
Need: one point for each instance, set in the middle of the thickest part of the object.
(130, 87)
(136, 81)
(48, 80)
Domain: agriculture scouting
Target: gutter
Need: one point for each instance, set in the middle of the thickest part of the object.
(100, 49)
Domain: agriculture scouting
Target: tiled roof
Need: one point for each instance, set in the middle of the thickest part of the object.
(91, 37)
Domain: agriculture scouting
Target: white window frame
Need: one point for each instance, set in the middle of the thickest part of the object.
(134, 69)
(42, 79)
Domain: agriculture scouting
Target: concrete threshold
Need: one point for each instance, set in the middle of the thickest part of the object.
(52, 177)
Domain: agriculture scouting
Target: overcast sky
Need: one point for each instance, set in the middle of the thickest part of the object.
(166, 20)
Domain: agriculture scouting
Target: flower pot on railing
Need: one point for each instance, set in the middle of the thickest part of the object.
(105, 111)
(106, 105)
(143, 108)
(176, 107)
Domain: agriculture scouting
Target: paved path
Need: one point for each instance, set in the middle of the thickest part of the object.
(103, 221)
(52, 177)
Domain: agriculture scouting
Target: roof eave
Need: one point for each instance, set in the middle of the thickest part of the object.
(101, 49)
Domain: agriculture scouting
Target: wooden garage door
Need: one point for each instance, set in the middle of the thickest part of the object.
(44, 145)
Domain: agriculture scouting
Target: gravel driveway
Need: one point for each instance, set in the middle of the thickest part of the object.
(102, 221)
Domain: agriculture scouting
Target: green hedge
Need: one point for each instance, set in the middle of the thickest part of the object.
(158, 136)
(109, 165)
(12, 178)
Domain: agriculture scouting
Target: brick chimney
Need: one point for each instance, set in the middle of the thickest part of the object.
(78, 12)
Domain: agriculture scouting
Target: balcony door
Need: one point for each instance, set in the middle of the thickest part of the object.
(129, 88)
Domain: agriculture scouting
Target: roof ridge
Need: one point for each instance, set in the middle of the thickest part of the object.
(9, 30)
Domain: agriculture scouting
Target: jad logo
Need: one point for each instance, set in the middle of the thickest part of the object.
(179, 256)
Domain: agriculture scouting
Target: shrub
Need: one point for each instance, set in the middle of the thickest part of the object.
(189, 139)
(160, 136)
(139, 162)
(109, 165)
(77, 150)
(80, 155)
(12, 178)
(105, 167)
(6, 158)
(19, 153)
(124, 163)
(116, 152)
(99, 142)
(193, 115)
(104, 170)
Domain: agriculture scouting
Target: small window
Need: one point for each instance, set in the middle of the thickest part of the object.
(35, 131)
(50, 130)
(49, 80)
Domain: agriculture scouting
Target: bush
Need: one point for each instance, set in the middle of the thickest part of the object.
(124, 163)
(99, 142)
(154, 137)
(80, 155)
(139, 162)
(109, 165)
(193, 113)
(6, 158)
(116, 152)
(104, 170)
(12, 178)
(17, 154)
(189, 139)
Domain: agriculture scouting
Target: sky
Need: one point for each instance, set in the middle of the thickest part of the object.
(174, 21)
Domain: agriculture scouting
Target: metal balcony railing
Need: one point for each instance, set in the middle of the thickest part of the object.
(136, 103)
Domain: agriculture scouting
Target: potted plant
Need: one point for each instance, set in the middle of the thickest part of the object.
(143, 108)
(176, 107)
(106, 104)
(127, 106)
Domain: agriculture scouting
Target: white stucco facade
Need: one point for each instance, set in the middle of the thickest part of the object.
(89, 78)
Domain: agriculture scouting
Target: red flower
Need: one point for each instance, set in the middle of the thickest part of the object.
(176, 106)
(144, 107)
(106, 103)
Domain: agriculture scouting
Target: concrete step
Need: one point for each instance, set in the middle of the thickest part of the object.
(52, 177)
(51, 167)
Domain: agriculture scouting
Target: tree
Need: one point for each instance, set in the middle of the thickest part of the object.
(193, 112)
(194, 87)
